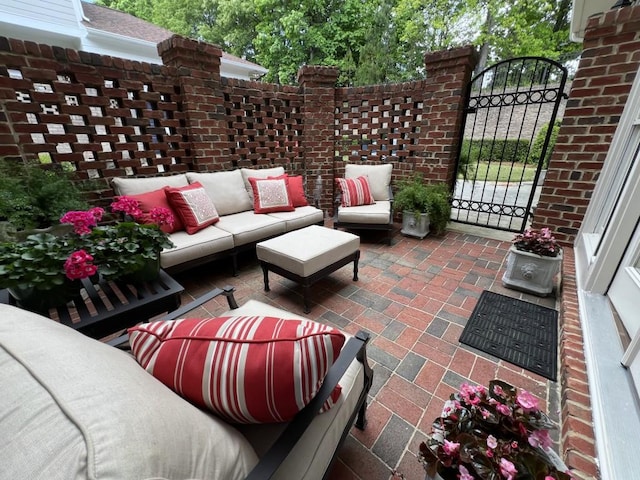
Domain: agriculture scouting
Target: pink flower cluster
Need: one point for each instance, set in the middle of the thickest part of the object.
(78, 265)
(130, 206)
(83, 221)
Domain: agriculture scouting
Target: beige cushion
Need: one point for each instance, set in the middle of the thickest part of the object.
(258, 173)
(226, 190)
(205, 242)
(379, 178)
(300, 217)
(378, 213)
(248, 227)
(135, 186)
(306, 251)
(311, 457)
(77, 409)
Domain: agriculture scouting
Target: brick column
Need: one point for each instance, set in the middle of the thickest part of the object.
(598, 94)
(317, 86)
(447, 74)
(197, 66)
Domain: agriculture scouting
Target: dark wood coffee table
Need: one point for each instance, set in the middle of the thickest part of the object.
(108, 307)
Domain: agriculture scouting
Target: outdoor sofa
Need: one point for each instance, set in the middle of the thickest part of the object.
(78, 408)
(236, 223)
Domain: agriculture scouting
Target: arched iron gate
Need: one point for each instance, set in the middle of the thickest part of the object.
(510, 113)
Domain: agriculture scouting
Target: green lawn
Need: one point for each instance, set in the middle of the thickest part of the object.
(503, 173)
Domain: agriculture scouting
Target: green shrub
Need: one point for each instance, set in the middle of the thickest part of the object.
(487, 150)
(415, 196)
(536, 148)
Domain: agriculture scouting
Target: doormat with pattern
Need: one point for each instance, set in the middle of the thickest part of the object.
(519, 332)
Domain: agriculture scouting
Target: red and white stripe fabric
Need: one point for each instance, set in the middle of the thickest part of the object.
(355, 191)
(246, 369)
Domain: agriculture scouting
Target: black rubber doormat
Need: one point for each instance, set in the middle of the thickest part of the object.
(519, 332)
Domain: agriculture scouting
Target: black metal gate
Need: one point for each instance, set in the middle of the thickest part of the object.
(510, 119)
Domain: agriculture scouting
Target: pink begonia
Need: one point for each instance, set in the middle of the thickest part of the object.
(503, 409)
(128, 206)
(492, 442)
(97, 213)
(450, 448)
(78, 265)
(464, 473)
(485, 413)
(507, 469)
(527, 401)
(489, 453)
(468, 394)
(161, 216)
(82, 221)
(540, 438)
(549, 477)
(497, 389)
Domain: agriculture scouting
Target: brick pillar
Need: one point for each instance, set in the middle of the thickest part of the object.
(598, 94)
(197, 66)
(447, 74)
(317, 86)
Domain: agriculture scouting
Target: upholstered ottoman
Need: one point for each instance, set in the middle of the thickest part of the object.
(308, 255)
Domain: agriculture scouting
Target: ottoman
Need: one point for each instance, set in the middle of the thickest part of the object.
(308, 255)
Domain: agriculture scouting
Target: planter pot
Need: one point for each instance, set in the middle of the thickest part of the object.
(531, 273)
(149, 271)
(415, 226)
(41, 301)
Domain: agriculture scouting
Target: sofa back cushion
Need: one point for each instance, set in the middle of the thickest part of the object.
(379, 177)
(226, 190)
(77, 408)
(259, 173)
(134, 186)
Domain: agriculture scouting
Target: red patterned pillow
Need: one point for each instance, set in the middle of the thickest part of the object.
(157, 198)
(193, 206)
(355, 191)
(246, 369)
(271, 195)
(296, 190)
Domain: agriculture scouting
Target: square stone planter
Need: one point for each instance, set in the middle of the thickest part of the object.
(531, 273)
(415, 226)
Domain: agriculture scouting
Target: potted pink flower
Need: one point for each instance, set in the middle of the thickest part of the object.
(534, 261)
(494, 433)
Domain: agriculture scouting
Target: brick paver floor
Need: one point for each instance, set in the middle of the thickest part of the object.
(414, 297)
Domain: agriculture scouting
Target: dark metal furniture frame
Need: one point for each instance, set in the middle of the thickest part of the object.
(306, 282)
(355, 348)
(107, 307)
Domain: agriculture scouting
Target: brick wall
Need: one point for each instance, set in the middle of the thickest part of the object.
(598, 93)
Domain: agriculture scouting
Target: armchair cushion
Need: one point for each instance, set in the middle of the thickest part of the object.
(379, 178)
(252, 369)
(355, 191)
(379, 213)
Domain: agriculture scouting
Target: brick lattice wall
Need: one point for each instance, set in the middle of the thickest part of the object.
(597, 97)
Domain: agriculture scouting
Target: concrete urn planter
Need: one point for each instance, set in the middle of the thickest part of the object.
(531, 273)
(415, 226)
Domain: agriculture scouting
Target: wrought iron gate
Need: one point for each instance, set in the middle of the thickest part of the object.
(509, 121)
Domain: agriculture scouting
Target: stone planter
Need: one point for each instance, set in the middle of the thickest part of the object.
(531, 273)
(415, 226)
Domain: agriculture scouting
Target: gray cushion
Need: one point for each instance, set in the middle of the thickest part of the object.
(81, 409)
(378, 213)
(226, 190)
(187, 247)
(300, 217)
(248, 227)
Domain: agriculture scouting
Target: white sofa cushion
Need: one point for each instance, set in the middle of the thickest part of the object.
(312, 455)
(300, 217)
(226, 189)
(200, 244)
(248, 227)
(379, 177)
(258, 173)
(134, 186)
(81, 409)
(378, 213)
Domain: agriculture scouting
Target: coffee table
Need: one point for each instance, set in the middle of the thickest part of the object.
(308, 255)
(108, 307)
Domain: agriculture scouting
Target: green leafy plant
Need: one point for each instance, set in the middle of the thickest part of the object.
(33, 196)
(415, 196)
(489, 434)
(536, 148)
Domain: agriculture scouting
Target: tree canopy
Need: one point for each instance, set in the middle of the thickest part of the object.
(371, 41)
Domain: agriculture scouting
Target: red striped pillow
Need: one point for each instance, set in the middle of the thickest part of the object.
(245, 369)
(355, 191)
